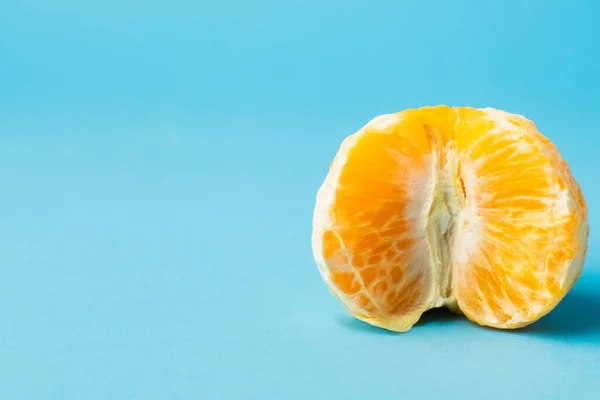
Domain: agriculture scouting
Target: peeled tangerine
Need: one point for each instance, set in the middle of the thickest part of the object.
(471, 209)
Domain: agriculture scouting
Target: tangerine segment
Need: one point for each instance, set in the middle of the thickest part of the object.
(524, 226)
(457, 207)
(370, 238)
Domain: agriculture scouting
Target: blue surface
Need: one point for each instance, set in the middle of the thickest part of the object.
(158, 168)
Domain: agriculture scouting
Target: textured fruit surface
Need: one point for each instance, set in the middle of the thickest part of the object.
(467, 208)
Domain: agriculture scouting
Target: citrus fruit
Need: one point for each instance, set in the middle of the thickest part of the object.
(470, 209)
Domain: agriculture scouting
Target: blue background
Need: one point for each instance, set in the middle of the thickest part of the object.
(158, 168)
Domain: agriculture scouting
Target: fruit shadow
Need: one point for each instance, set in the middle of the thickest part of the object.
(349, 322)
(578, 314)
(433, 316)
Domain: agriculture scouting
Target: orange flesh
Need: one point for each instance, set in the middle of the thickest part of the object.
(472, 209)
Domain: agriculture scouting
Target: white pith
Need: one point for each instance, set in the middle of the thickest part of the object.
(443, 211)
(444, 222)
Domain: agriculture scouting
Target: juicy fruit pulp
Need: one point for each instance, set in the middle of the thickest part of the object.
(472, 209)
